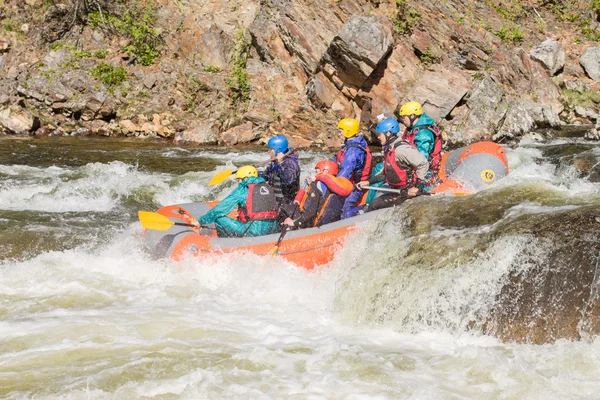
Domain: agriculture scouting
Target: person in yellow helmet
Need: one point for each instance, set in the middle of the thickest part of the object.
(422, 133)
(256, 204)
(354, 162)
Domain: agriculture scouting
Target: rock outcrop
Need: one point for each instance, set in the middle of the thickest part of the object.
(292, 67)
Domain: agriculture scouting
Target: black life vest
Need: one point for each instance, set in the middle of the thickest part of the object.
(331, 202)
(357, 176)
(398, 176)
(435, 158)
(261, 203)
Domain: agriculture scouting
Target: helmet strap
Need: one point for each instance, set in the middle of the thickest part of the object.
(388, 138)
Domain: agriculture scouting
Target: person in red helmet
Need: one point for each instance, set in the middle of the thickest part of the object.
(323, 201)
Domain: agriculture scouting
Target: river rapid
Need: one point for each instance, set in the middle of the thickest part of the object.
(86, 313)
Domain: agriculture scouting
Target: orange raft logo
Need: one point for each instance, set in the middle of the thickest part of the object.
(487, 175)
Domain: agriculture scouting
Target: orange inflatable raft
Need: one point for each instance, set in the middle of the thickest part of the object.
(465, 170)
(306, 248)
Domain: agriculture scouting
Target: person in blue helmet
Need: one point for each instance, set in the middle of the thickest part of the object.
(404, 168)
(256, 203)
(354, 163)
(283, 172)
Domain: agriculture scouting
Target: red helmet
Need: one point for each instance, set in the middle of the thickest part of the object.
(327, 166)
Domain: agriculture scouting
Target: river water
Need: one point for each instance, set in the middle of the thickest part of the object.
(86, 313)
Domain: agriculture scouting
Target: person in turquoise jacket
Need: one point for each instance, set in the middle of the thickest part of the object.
(412, 116)
(256, 203)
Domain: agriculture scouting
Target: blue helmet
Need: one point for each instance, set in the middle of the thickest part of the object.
(388, 125)
(278, 143)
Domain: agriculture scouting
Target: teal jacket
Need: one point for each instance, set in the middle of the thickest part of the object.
(237, 198)
(425, 139)
(372, 193)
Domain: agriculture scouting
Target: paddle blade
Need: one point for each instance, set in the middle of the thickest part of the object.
(274, 250)
(220, 177)
(154, 221)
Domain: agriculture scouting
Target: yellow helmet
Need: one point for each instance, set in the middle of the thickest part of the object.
(350, 127)
(245, 172)
(410, 108)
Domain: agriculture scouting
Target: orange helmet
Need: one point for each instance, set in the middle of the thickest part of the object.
(327, 166)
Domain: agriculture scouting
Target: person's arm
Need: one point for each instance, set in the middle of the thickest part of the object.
(227, 205)
(351, 159)
(265, 173)
(289, 171)
(413, 157)
(307, 216)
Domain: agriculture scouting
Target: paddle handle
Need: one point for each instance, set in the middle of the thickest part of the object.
(380, 189)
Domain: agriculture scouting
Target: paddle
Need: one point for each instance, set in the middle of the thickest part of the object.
(276, 247)
(221, 176)
(380, 189)
(158, 222)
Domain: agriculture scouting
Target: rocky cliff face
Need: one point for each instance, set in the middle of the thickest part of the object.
(240, 71)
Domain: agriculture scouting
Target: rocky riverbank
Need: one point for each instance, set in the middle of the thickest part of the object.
(238, 72)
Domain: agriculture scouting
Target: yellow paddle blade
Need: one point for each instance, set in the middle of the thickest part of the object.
(155, 221)
(274, 250)
(220, 177)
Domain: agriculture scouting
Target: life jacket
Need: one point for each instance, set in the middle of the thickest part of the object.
(261, 203)
(435, 157)
(283, 191)
(397, 176)
(357, 176)
(331, 202)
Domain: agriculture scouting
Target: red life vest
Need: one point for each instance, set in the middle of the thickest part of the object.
(366, 171)
(261, 203)
(397, 176)
(435, 158)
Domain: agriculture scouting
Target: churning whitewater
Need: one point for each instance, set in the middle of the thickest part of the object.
(415, 306)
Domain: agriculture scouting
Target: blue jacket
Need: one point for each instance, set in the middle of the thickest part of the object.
(284, 178)
(354, 158)
(425, 139)
(237, 198)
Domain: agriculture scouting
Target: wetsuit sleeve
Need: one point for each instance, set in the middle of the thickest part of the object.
(378, 177)
(227, 205)
(289, 171)
(411, 156)
(311, 207)
(266, 173)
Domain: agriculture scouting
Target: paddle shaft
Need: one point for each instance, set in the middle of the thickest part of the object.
(380, 189)
(399, 191)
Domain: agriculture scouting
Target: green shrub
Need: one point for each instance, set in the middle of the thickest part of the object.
(510, 35)
(78, 55)
(427, 57)
(239, 87)
(101, 54)
(406, 18)
(109, 75)
(212, 69)
(584, 99)
(138, 26)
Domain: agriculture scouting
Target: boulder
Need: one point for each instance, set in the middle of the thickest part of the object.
(205, 132)
(523, 116)
(590, 61)
(439, 91)
(550, 54)
(18, 121)
(362, 43)
(243, 133)
(485, 109)
(4, 45)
